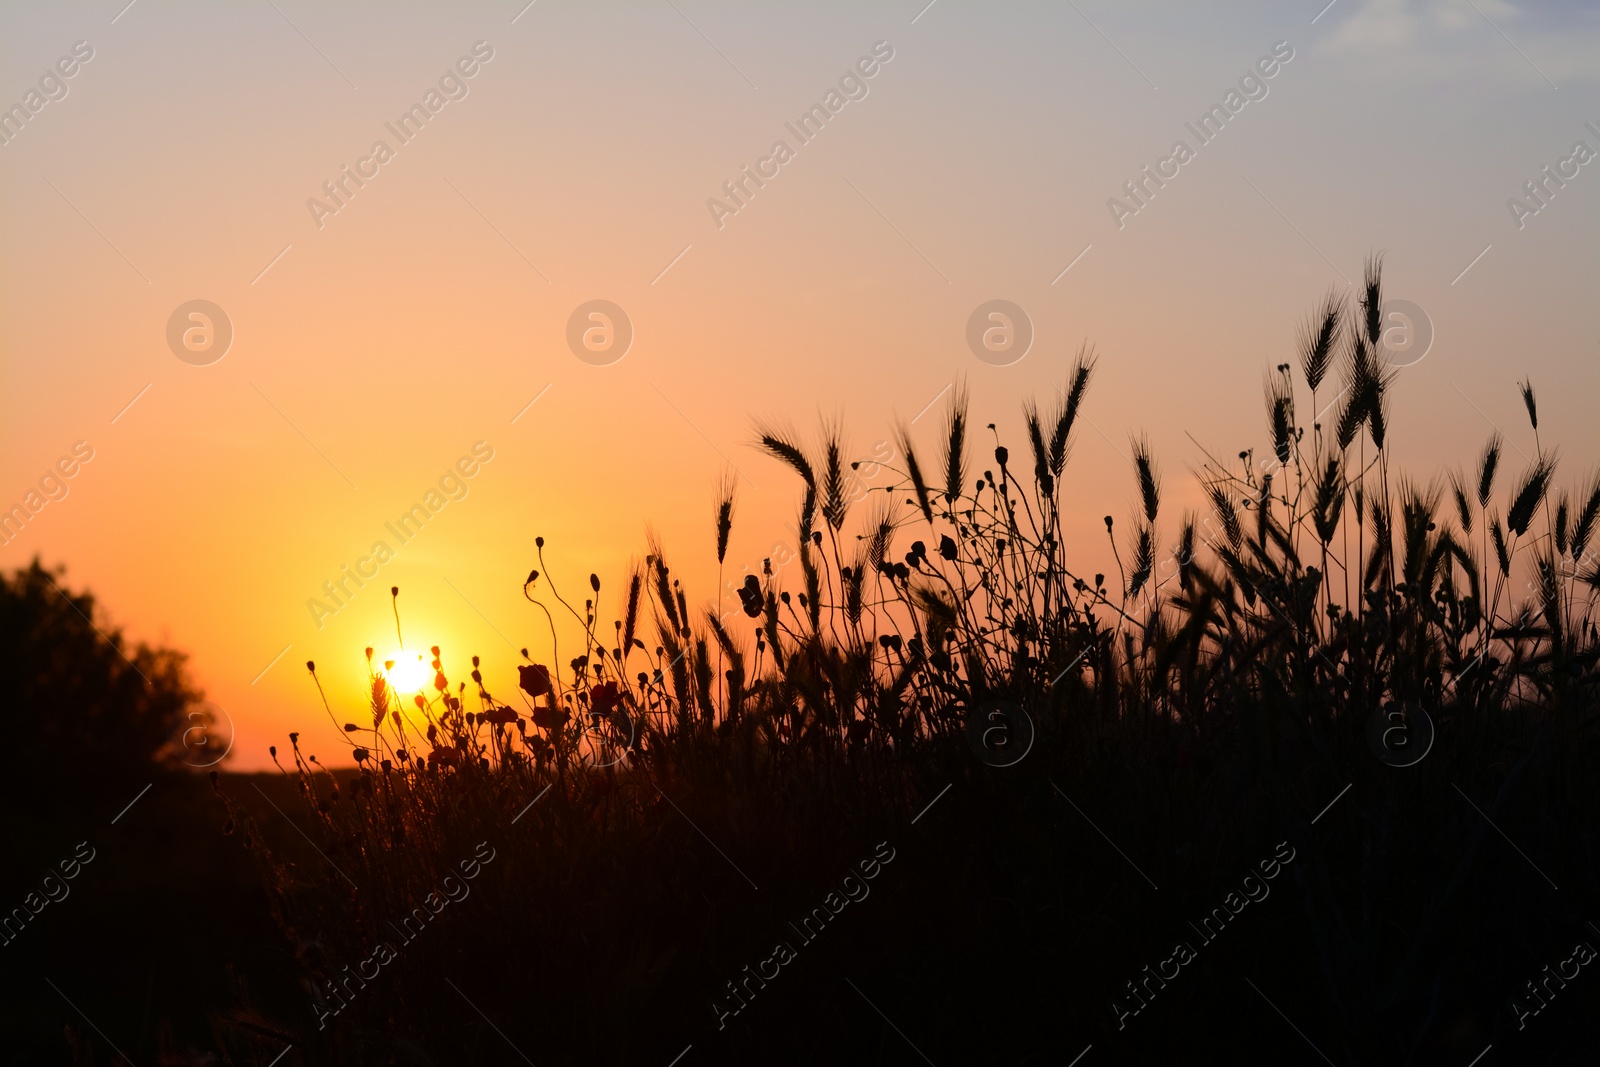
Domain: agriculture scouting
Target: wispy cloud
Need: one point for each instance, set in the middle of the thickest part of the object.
(1492, 40)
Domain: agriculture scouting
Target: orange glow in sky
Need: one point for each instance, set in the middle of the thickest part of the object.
(259, 369)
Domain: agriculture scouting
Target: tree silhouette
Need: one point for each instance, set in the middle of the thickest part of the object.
(78, 703)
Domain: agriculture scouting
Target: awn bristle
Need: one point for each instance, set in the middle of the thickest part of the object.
(1186, 553)
(1529, 495)
(1144, 560)
(1525, 387)
(780, 444)
(1149, 478)
(1317, 339)
(1280, 414)
(955, 444)
(725, 515)
(630, 624)
(919, 484)
(835, 495)
(1487, 465)
(1061, 436)
(1328, 502)
(1041, 456)
(1583, 525)
(1372, 299)
(1463, 504)
(1227, 512)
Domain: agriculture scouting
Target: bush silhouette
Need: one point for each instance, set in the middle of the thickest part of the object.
(79, 696)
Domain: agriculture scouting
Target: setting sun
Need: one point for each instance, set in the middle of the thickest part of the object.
(578, 598)
(406, 672)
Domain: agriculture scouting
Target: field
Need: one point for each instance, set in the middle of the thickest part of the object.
(1309, 779)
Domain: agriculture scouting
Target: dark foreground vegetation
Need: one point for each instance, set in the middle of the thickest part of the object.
(1310, 779)
(117, 904)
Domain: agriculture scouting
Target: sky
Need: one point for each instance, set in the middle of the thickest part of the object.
(268, 361)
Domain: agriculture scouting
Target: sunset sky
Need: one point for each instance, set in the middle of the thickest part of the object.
(382, 335)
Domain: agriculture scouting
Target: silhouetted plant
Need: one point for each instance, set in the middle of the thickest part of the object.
(1239, 665)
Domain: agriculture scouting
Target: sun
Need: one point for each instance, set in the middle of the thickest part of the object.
(410, 673)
